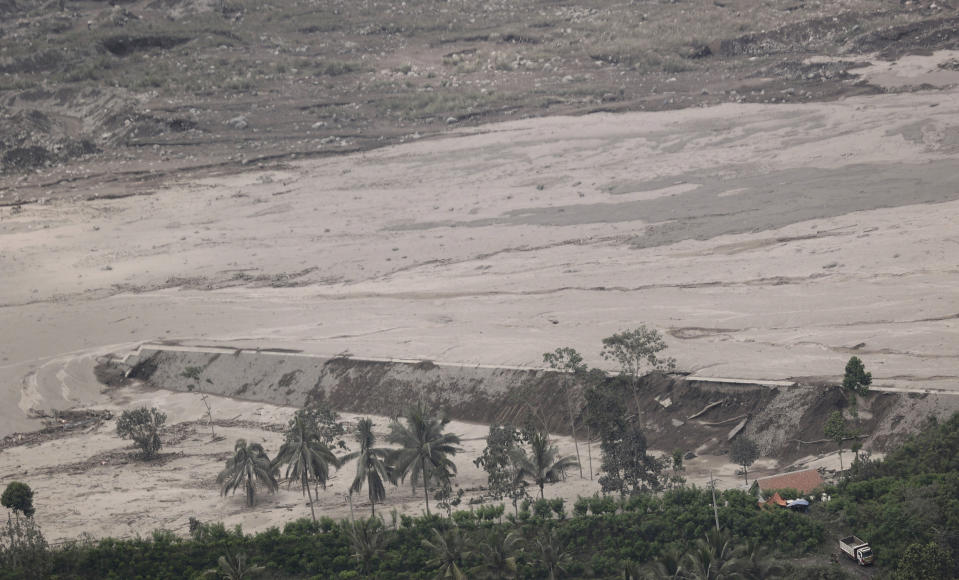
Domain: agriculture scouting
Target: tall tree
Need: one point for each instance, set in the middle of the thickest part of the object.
(18, 497)
(543, 463)
(249, 467)
(637, 352)
(627, 467)
(835, 429)
(372, 464)
(142, 425)
(449, 551)
(744, 452)
(501, 472)
(568, 361)
(856, 381)
(425, 450)
(306, 457)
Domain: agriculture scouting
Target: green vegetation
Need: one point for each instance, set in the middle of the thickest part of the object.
(307, 456)
(425, 451)
(637, 352)
(249, 468)
(543, 463)
(569, 362)
(18, 497)
(372, 465)
(855, 382)
(907, 506)
(143, 427)
(836, 429)
(744, 452)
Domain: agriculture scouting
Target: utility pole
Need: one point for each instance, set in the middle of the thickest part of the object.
(712, 484)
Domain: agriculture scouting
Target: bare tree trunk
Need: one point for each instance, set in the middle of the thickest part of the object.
(572, 427)
(310, 497)
(426, 484)
(589, 450)
(349, 498)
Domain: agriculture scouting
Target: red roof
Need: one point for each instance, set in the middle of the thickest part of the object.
(805, 481)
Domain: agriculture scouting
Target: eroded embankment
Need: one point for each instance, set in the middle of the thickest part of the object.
(679, 413)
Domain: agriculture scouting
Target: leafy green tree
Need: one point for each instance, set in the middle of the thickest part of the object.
(327, 424)
(143, 426)
(18, 497)
(449, 551)
(924, 561)
(306, 456)
(744, 452)
(836, 429)
(543, 463)
(568, 361)
(367, 541)
(372, 464)
(856, 381)
(637, 352)
(553, 553)
(501, 476)
(498, 554)
(248, 468)
(24, 552)
(626, 465)
(234, 566)
(425, 450)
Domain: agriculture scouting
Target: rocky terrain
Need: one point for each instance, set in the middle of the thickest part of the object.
(123, 95)
(772, 185)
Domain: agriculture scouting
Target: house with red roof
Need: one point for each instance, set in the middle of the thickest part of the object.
(804, 481)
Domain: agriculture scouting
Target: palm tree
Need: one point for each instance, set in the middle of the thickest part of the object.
(543, 465)
(498, 554)
(448, 553)
(553, 554)
(367, 540)
(757, 563)
(425, 451)
(248, 467)
(714, 558)
(234, 567)
(669, 565)
(306, 456)
(372, 466)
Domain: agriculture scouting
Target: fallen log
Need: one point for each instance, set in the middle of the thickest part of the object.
(705, 409)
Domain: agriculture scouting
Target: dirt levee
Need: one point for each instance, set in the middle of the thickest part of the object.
(691, 415)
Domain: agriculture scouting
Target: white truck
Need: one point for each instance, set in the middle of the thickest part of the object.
(857, 549)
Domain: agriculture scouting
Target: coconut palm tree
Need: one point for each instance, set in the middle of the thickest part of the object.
(306, 456)
(498, 554)
(669, 565)
(234, 567)
(757, 563)
(714, 558)
(543, 464)
(448, 553)
(367, 540)
(553, 554)
(372, 465)
(248, 467)
(424, 453)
